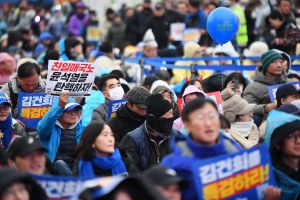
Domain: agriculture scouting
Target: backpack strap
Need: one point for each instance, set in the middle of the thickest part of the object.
(13, 96)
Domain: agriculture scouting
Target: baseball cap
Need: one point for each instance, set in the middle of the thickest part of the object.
(3, 99)
(289, 108)
(72, 105)
(284, 90)
(24, 146)
(163, 176)
(159, 6)
(138, 96)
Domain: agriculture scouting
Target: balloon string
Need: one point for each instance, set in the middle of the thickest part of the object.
(222, 67)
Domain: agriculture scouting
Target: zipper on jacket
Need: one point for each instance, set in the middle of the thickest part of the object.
(157, 149)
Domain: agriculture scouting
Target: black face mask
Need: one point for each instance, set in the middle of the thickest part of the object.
(148, 10)
(161, 126)
(135, 115)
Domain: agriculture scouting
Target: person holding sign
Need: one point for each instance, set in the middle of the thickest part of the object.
(8, 126)
(149, 143)
(60, 131)
(270, 73)
(287, 94)
(111, 88)
(97, 155)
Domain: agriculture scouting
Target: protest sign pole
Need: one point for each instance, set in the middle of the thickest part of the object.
(193, 71)
(142, 62)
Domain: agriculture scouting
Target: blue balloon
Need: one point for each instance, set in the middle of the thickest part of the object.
(222, 25)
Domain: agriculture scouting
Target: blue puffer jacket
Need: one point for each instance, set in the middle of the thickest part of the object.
(49, 129)
(187, 152)
(290, 189)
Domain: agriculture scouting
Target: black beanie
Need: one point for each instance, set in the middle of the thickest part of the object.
(282, 131)
(157, 105)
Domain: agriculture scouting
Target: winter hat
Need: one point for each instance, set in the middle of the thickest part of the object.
(234, 105)
(157, 105)
(268, 57)
(138, 95)
(149, 39)
(257, 49)
(6, 57)
(24, 60)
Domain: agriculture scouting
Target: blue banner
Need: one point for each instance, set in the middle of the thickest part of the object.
(273, 89)
(113, 106)
(243, 175)
(32, 107)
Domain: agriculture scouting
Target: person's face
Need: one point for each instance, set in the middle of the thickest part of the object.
(159, 12)
(204, 125)
(189, 97)
(79, 10)
(29, 84)
(110, 16)
(211, 7)
(56, 47)
(150, 52)
(34, 163)
(77, 49)
(69, 117)
(171, 192)
(275, 23)
(285, 65)
(285, 7)
(4, 111)
(129, 13)
(139, 8)
(16, 191)
(192, 10)
(137, 110)
(168, 114)
(198, 53)
(290, 98)
(5, 8)
(104, 144)
(46, 41)
(182, 8)
(275, 68)
(245, 118)
(167, 96)
(290, 145)
(110, 84)
(295, 79)
(198, 85)
(117, 20)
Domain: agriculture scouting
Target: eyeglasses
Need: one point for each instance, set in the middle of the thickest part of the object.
(71, 112)
(4, 107)
(293, 137)
(210, 116)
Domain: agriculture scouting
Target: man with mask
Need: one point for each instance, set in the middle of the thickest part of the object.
(287, 94)
(77, 20)
(111, 88)
(149, 143)
(131, 115)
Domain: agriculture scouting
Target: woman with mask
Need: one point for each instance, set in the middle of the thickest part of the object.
(97, 155)
(8, 126)
(240, 113)
(236, 76)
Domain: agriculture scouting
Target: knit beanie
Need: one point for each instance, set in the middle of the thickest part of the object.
(268, 57)
(157, 105)
(149, 39)
(234, 105)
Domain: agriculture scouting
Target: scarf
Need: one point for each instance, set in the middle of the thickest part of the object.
(6, 129)
(244, 128)
(134, 115)
(113, 163)
(162, 126)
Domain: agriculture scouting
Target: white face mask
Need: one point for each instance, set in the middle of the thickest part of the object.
(116, 93)
(296, 103)
(20, 44)
(241, 90)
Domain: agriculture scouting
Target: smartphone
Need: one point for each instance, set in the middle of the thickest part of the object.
(236, 85)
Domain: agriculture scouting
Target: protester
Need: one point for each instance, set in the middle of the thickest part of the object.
(190, 93)
(270, 73)
(195, 82)
(60, 131)
(44, 41)
(149, 80)
(56, 24)
(19, 186)
(166, 181)
(77, 20)
(149, 45)
(131, 115)
(27, 155)
(27, 80)
(182, 7)
(73, 49)
(286, 94)
(236, 76)
(110, 87)
(7, 68)
(8, 126)
(106, 23)
(97, 156)
(282, 138)
(239, 113)
(149, 143)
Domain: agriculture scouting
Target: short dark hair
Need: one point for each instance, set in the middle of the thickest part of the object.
(104, 79)
(163, 75)
(28, 69)
(276, 14)
(194, 105)
(236, 76)
(84, 149)
(109, 11)
(106, 47)
(13, 37)
(214, 4)
(280, 1)
(117, 72)
(183, 2)
(194, 3)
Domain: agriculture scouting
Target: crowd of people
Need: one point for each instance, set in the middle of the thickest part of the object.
(153, 140)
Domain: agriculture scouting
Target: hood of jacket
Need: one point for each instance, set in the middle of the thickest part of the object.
(189, 49)
(286, 56)
(46, 35)
(259, 76)
(163, 83)
(276, 119)
(191, 89)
